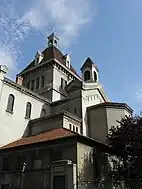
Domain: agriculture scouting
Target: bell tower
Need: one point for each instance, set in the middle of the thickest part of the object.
(53, 40)
(90, 71)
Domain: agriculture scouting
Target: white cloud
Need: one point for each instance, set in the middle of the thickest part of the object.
(67, 16)
(139, 95)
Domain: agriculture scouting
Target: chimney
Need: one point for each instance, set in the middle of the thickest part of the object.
(19, 80)
(3, 71)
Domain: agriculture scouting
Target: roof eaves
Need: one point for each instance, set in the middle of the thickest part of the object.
(68, 69)
(14, 145)
(112, 104)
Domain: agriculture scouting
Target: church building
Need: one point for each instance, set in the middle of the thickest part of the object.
(51, 120)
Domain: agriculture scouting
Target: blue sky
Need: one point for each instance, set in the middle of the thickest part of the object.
(110, 32)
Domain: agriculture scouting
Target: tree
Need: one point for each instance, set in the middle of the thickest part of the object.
(126, 140)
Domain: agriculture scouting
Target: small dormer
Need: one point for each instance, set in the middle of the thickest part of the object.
(53, 40)
(89, 71)
(66, 60)
(38, 57)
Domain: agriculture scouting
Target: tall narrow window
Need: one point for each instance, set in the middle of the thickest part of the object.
(43, 112)
(95, 76)
(33, 85)
(87, 75)
(10, 104)
(28, 85)
(37, 83)
(63, 83)
(42, 81)
(73, 128)
(28, 110)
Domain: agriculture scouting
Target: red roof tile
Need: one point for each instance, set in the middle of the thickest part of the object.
(43, 137)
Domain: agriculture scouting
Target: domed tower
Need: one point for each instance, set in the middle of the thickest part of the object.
(90, 71)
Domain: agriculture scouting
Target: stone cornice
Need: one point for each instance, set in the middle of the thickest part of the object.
(67, 69)
(61, 114)
(25, 90)
(112, 105)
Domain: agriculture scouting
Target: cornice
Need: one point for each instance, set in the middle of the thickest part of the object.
(61, 114)
(112, 105)
(25, 91)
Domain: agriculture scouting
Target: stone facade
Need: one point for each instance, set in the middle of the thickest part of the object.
(13, 125)
(103, 116)
(71, 160)
(49, 95)
(41, 165)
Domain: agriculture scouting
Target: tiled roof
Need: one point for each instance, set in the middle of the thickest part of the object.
(43, 137)
(48, 54)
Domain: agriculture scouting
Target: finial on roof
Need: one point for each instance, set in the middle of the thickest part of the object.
(54, 29)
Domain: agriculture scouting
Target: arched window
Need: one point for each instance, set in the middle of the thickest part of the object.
(28, 110)
(43, 112)
(95, 76)
(10, 104)
(87, 75)
(73, 128)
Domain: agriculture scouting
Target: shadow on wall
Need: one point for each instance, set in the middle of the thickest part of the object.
(95, 172)
(45, 110)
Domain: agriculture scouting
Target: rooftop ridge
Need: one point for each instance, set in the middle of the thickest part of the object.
(43, 137)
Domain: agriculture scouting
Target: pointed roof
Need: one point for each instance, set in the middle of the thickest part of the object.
(89, 63)
(48, 54)
(53, 36)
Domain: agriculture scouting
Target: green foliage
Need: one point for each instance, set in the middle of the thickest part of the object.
(126, 140)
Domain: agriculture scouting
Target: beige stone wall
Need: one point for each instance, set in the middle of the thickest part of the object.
(101, 119)
(114, 114)
(54, 122)
(13, 125)
(73, 104)
(45, 124)
(97, 121)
